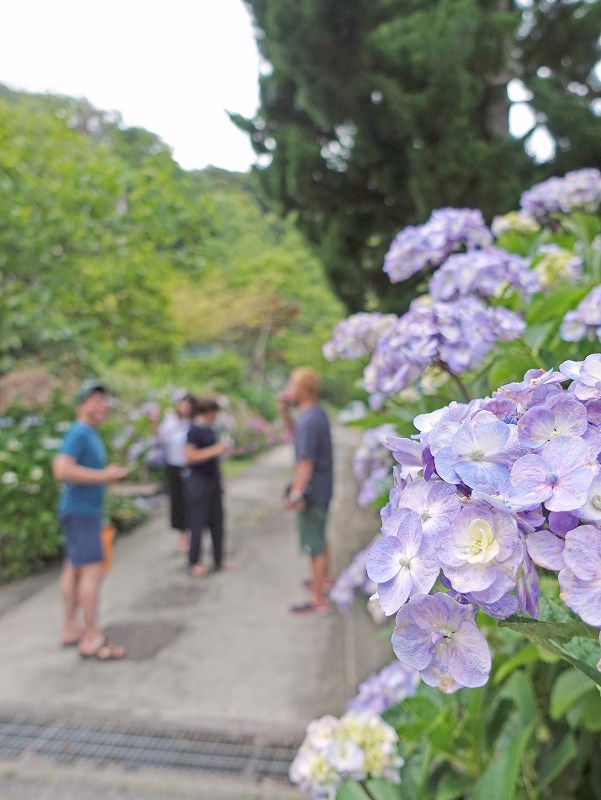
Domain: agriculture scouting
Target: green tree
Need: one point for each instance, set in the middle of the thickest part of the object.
(376, 111)
(93, 219)
(261, 291)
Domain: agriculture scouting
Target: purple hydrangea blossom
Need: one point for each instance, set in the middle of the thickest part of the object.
(580, 579)
(480, 451)
(485, 273)
(561, 415)
(403, 562)
(354, 577)
(356, 336)
(437, 333)
(559, 477)
(439, 637)
(480, 552)
(435, 502)
(385, 688)
(533, 389)
(591, 510)
(407, 454)
(586, 377)
(579, 190)
(496, 486)
(584, 322)
(372, 463)
(448, 230)
(546, 550)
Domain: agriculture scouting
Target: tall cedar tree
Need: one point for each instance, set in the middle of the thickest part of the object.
(374, 112)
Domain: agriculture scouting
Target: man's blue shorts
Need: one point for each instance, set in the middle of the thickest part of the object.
(82, 534)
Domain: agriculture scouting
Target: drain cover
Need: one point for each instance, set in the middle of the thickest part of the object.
(143, 640)
(140, 746)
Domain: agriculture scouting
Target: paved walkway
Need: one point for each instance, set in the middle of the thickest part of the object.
(220, 653)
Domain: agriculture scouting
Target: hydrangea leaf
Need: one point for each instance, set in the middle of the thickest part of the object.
(569, 687)
(557, 761)
(499, 779)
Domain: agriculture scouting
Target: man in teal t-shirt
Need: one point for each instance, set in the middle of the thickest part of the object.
(81, 465)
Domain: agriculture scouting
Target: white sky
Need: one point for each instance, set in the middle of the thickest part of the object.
(170, 66)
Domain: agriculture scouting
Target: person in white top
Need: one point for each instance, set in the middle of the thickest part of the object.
(172, 433)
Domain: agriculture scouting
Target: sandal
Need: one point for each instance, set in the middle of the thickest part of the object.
(198, 571)
(106, 652)
(310, 608)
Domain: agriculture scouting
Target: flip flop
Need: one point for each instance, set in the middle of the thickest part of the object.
(310, 608)
(106, 652)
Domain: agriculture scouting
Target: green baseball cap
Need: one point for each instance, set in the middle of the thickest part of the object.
(87, 389)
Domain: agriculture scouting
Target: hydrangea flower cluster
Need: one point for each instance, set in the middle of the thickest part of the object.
(515, 222)
(505, 484)
(579, 190)
(350, 579)
(584, 322)
(386, 688)
(355, 747)
(557, 266)
(372, 464)
(437, 333)
(448, 230)
(486, 273)
(356, 336)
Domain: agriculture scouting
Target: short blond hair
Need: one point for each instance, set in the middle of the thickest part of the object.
(307, 378)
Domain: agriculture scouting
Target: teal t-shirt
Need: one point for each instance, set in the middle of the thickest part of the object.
(87, 448)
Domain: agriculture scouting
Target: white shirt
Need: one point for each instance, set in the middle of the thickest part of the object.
(173, 433)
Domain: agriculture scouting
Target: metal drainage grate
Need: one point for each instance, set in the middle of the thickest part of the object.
(141, 746)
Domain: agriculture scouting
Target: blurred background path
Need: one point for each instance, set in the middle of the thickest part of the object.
(221, 679)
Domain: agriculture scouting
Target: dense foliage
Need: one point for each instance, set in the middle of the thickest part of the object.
(134, 260)
(374, 112)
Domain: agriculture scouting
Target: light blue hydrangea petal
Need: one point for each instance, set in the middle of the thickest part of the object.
(383, 560)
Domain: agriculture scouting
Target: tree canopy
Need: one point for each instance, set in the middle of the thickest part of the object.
(110, 252)
(374, 112)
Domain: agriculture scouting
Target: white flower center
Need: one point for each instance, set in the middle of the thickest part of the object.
(596, 502)
(484, 546)
(405, 561)
(478, 455)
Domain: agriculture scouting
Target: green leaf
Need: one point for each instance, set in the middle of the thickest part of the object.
(351, 790)
(499, 780)
(569, 687)
(542, 631)
(591, 718)
(453, 786)
(536, 335)
(379, 789)
(525, 655)
(554, 764)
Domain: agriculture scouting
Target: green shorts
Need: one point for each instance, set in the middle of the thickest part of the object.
(312, 529)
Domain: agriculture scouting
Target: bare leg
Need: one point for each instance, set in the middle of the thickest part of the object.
(184, 541)
(328, 577)
(319, 570)
(68, 590)
(88, 586)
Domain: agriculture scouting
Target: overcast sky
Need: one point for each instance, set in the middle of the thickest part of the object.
(171, 66)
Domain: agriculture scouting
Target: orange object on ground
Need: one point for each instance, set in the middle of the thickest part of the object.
(107, 538)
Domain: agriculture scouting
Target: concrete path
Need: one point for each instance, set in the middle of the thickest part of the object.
(219, 653)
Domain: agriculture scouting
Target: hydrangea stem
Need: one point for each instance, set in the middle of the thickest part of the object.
(462, 388)
(366, 790)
